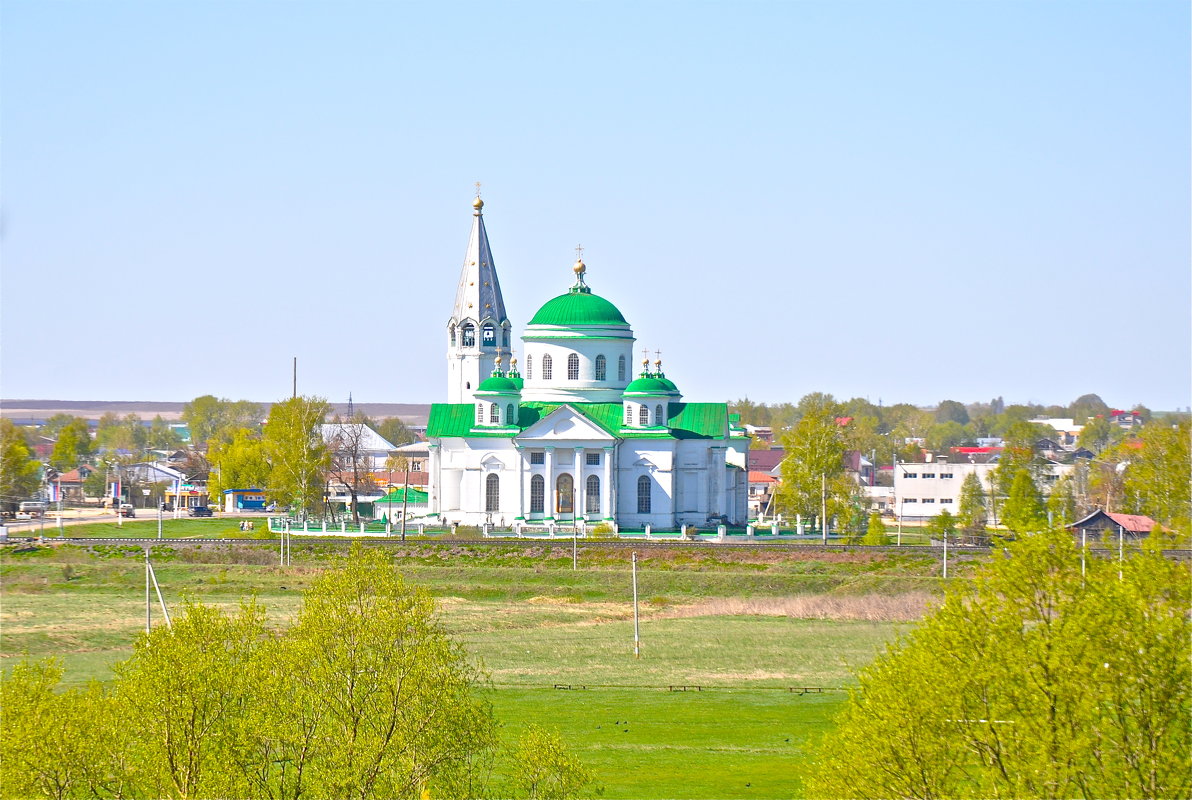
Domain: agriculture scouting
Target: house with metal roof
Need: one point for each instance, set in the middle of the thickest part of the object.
(573, 434)
(1106, 525)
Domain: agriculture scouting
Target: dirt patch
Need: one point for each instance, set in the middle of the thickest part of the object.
(873, 607)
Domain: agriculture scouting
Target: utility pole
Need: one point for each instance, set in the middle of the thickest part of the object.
(1120, 552)
(945, 555)
(824, 506)
(636, 636)
(148, 607)
(405, 498)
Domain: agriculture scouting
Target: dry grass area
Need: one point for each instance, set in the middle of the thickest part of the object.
(906, 607)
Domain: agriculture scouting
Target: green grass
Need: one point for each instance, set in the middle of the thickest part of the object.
(138, 527)
(740, 744)
(531, 622)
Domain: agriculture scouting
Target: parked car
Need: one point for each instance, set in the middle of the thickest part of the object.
(201, 511)
(127, 510)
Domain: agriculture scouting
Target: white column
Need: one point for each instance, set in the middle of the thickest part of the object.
(576, 482)
(436, 480)
(716, 473)
(606, 489)
(521, 481)
(549, 500)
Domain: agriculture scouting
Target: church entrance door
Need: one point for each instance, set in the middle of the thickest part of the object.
(565, 497)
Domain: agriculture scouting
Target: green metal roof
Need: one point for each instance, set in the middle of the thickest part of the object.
(398, 496)
(684, 420)
(578, 308)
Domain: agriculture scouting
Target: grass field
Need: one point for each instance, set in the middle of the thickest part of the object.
(743, 626)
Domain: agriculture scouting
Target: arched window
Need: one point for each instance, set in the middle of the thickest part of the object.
(546, 368)
(504, 337)
(601, 368)
(490, 335)
(529, 367)
(451, 332)
(621, 368)
(565, 494)
(643, 495)
(492, 492)
(628, 414)
(643, 416)
(592, 495)
(479, 413)
(658, 418)
(467, 335)
(573, 367)
(537, 494)
(494, 413)
(510, 417)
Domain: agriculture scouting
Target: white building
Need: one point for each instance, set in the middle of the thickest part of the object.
(576, 435)
(922, 491)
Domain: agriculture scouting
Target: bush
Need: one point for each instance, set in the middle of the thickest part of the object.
(1032, 680)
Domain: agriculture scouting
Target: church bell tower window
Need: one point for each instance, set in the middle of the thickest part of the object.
(467, 335)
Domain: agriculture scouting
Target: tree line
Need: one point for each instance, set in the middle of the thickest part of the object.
(233, 444)
(1144, 472)
(883, 430)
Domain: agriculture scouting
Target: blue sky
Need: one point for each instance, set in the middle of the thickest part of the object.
(904, 201)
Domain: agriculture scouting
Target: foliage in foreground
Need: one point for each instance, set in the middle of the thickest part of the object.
(1030, 681)
(364, 696)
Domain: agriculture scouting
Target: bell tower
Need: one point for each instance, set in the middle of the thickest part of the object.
(479, 329)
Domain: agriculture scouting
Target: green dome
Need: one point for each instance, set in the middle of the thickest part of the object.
(669, 384)
(498, 383)
(578, 308)
(648, 386)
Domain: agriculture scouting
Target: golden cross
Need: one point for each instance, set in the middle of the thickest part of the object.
(579, 252)
(477, 188)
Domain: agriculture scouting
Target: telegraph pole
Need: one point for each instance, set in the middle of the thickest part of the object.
(636, 633)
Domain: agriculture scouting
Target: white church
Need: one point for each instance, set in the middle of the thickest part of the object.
(571, 434)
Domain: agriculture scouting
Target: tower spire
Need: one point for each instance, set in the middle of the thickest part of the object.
(478, 296)
(479, 324)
